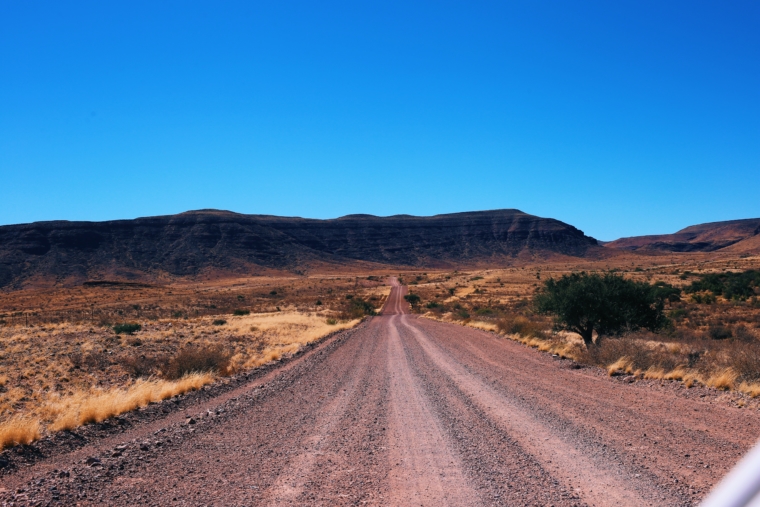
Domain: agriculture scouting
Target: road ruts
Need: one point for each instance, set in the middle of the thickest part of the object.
(409, 411)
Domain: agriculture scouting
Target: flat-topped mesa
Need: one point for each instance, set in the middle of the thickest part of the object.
(734, 236)
(194, 241)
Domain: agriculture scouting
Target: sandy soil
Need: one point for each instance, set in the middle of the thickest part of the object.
(408, 411)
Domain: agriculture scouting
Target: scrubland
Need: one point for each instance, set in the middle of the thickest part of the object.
(67, 366)
(710, 340)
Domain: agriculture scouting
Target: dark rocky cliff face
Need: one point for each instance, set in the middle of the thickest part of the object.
(709, 237)
(188, 243)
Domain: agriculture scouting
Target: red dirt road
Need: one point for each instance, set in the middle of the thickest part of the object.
(408, 411)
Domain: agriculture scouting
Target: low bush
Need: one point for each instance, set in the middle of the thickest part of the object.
(357, 308)
(241, 312)
(142, 365)
(208, 359)
(719, 332)
(412, 299)
(736, 286)
(127, 328)
(460, 313)
(219, 322)
(519, 325)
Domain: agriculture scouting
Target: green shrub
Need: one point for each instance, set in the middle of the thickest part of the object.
(331, 322)
(737, 286)
(357, 308)
(241, 312)
(219, 322)
(706, 298)
(666, 292)
(462, 314)
(412, 299)
(606, 304)
(127, 328)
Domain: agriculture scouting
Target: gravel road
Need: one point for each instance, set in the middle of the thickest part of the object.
(408, 411)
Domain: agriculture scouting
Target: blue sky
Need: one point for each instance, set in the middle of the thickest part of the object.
(621, 118)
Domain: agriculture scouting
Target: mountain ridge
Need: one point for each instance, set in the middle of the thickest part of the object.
(196, 241)
(736, 236)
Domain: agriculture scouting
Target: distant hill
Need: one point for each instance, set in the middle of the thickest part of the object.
(195, 242)
(736, 236)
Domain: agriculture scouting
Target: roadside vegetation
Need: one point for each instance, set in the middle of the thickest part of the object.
(699, 328)
(60, 375)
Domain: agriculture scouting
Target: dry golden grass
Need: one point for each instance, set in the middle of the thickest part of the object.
(19, 431)
(485, 326)
(725, 379)
(752, 389)
(622, 365)
(654, 373)
(50, 369)
(89, 407)
(280, 334)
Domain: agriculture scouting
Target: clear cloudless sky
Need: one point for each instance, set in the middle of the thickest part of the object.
(619, 117)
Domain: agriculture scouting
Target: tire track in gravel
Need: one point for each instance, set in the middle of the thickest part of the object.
(680, 441)
(596, 483)
(427, 471)
(293, 480)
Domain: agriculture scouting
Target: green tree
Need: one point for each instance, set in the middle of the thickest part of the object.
(412, 299)
(608, 304)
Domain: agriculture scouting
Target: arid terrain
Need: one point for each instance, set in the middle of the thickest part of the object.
(330, 388)
(404, 410)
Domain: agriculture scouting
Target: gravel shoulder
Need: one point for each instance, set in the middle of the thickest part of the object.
(407, 411)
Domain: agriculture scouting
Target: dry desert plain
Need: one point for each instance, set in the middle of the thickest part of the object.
(467, 398)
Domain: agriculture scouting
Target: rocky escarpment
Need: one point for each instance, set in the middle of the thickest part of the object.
(736, 235)
(189, 243)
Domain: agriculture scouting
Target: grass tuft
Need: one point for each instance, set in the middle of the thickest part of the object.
(751, 389)
(622, 365)
(725, 379)
(655, 373)
(19, 431)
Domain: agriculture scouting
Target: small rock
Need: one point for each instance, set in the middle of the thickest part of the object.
(190, 420)
(92, 461)
(4, 463)
(63, 474)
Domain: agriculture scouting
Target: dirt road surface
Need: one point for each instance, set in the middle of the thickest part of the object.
(407, 411)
